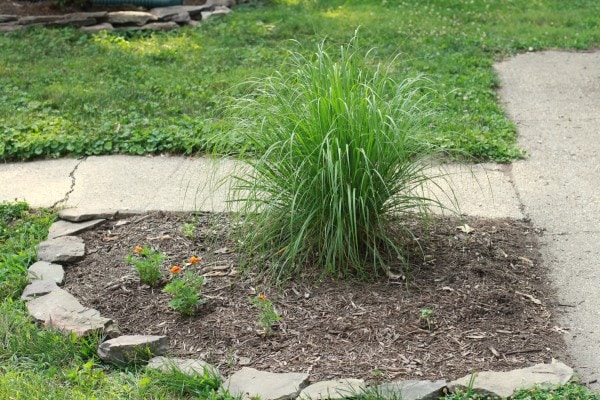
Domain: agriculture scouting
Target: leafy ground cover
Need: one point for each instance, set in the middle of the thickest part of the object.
(64, 93)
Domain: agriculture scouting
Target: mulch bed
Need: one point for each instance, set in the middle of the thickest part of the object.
(489, 293)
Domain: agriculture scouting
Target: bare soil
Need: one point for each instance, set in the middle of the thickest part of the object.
(491, 300)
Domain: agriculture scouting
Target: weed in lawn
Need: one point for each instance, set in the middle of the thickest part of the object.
(88, 375)
(20, 231)
(343, 151)
(200, 386)
(189, 230)
(147, 263)
(570, 391)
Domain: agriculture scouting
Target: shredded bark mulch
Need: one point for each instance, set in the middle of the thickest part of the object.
(490, 297)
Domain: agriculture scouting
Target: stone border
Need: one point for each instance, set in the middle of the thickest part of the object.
(56, 308)
(155, 19)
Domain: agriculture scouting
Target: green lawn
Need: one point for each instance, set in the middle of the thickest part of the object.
(67, 94)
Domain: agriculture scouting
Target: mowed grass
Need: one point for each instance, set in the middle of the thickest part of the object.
(63, 93)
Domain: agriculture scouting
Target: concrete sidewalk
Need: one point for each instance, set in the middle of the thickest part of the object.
(554, 97)
(202, 184)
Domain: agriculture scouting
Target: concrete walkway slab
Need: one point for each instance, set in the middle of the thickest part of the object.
(554, 97)
(40, 183)
(202, 184)
(574, 259)
(151, 183)
(481, 190)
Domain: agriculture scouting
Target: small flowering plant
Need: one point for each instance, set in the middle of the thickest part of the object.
(185, 288)
(427, 317)
(147, 263)
(267, 316)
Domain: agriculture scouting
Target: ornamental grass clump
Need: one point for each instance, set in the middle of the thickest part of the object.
(341, 154)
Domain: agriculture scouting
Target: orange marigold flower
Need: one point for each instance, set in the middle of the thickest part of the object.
(194, 260)
(262, 297)
(175, 269)
(138, 249)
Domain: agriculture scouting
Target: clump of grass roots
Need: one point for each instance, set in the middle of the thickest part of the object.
(342, 155)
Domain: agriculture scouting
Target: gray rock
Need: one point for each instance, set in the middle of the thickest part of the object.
(74, 20)
(193, 11)
(192, 23)
(63, 250)
(177, 14)
(226, 3)
(126, 213)
(38, 288)
(504, 384)
(153, 26)
(99, 15)
(84, 214)
(39, 20)
(160, 26)
(130, 349)
(181, 18)
(43, 270)
(162, 13)
(60, 310)
(138, 18)
(10, 27)
(8, 18)
(249, 383)
(219, 11)
(185, 366)
(67, 228)
(332, 390)
(412, 390)
(97, 28)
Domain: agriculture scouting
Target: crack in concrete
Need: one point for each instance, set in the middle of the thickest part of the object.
(573, 233)
(507, 170)
(72, 188)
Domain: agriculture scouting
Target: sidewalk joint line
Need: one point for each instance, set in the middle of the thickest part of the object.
(507, 170)
(571, 233)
